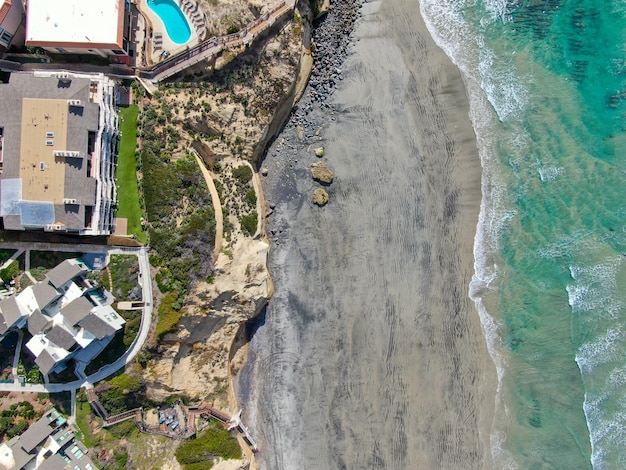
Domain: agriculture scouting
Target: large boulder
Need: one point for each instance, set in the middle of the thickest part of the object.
(322, 173)
(320, 197)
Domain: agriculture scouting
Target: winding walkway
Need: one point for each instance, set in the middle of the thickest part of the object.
(217, 204)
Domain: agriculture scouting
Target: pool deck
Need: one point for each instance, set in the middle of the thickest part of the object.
(157, 41)
(211, 47)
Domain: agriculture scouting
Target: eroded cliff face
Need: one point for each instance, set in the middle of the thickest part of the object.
(194, 361)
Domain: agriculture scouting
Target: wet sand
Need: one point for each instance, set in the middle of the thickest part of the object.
(371, 354)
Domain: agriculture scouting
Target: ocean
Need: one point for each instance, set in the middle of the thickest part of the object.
(547, 86)
(459, 301)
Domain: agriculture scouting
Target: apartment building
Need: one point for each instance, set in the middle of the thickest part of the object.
(58, 150)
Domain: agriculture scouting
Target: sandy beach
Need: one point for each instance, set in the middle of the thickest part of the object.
(370, 353)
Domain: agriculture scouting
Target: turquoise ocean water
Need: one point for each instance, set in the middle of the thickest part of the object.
(547, 85)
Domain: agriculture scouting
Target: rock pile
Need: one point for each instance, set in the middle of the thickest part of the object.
(320, 197)
(322, 173)
(331, 48)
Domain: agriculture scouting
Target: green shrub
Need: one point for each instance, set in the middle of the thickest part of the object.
(243, 174)
(249, 223)
(10, 272)
(124, 393)
(123, 429)
(250, 198)
(215, 441)
(168, 314)
(18, 428)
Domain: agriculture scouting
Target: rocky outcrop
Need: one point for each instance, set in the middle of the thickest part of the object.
(322, 173)
(194, 360)
(320, 197)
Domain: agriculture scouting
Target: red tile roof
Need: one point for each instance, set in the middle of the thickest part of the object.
(4, 11)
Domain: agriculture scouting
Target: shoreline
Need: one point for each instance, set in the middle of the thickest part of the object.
(287, 179)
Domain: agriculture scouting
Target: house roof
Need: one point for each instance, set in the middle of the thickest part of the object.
(76, 310)
(61, 337)
(54, 462)
(65, 272)
(45, 362)
(38, 432)
(96, 326)
(36, 183)
(10, 311)
(20, 456)
(37, 322)
(4, 10)
(44, 293)
(75, 23)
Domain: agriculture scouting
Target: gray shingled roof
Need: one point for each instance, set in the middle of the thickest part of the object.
(64, 272)
(37, 433)
(54, 462)
(96, 326)
(76, 310)
(45, 362)
(10, 310)
(20, 456)
(37, 321)
(44, 293)
(61, 337)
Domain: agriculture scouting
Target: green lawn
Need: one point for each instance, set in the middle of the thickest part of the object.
(83, 415)
(127, 188)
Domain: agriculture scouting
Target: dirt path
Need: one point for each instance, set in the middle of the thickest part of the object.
(217, 205)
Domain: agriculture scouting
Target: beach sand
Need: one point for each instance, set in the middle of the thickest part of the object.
(371, 354)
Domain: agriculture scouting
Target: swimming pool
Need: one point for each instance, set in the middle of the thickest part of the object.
(174, 19)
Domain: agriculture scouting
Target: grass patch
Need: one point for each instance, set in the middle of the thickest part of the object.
(127, 186)
(83, 417)
(214, 442)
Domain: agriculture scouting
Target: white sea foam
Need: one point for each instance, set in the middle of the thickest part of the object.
(502, 95)
(594, 295)
(595, 288)
(548, 174)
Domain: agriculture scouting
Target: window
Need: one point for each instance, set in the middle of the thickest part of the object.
(5, 37)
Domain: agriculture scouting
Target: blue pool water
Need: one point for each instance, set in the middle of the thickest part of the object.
(174, 19)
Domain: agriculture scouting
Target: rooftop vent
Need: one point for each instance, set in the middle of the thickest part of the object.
(50, 135)
(77, 103)
(49, 143)
(69, 201)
